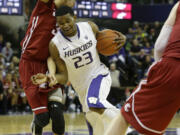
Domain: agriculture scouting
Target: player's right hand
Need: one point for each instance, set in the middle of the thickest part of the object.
(52, 80)
(120, 40)
(39, 79)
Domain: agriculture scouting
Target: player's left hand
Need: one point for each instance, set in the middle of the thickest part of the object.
(120, 40)
(39, 79)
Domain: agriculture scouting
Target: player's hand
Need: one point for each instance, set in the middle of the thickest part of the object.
(39, 79)
(120, 40)
(52, 80)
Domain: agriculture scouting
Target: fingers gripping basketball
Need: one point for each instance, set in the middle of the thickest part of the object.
(107, 42)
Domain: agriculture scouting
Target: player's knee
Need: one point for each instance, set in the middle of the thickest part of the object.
(42, 119)
(56, 114)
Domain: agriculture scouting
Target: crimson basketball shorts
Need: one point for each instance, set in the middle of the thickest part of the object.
(154, 102)
(37, 100)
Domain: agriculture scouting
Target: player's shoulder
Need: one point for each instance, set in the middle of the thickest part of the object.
(82, 23)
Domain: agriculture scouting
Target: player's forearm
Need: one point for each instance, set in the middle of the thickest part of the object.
(162, 41)
(61, 78)
(51, 66)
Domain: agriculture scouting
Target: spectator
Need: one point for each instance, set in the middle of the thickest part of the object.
(1, 42)
(7, 52)
(9, 88)
(114, 95)
(146, 63)
(157, 27)
(3, 108)
(152, 35)
(18, 93)
(147, 48)
(114, 76)
(72, 102)
(130, 34)
(4, 100)
(2, 62)
(135, 48)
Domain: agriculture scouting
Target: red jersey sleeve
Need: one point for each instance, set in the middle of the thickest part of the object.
(40, 31)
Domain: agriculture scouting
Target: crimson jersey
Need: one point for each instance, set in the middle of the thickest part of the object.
(173, 47)
(41, 29)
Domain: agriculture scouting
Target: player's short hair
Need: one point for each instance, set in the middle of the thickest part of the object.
(64, 10)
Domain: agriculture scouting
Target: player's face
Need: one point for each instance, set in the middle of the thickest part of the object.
(67, 24)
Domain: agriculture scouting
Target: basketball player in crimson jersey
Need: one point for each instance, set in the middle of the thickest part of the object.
(74, 51)
(41, 29)
(155, 101)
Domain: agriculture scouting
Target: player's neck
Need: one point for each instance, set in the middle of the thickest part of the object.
(74, 37)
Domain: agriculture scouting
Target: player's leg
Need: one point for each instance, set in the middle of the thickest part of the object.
(39, 121)
(118, 126)
(147, 113)
(97, 100)
(55, 108)
(38, 103)
(42, 116)
(95, 122)
(89, 128)
(37, 100)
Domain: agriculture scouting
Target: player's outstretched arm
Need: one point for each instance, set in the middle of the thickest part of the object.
(164, 35)
(61, 73)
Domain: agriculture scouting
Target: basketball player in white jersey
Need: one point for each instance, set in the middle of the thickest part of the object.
(73, 49)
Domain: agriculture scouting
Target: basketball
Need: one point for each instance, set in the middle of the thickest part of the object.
(105, 45)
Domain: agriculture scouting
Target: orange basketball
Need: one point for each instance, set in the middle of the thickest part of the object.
(105, 45)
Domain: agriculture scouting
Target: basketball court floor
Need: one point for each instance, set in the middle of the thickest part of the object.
(75, 125)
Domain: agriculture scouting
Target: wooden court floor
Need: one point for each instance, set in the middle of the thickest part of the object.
(75, 125)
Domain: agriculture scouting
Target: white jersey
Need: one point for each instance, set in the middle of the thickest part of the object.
(80, 56)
